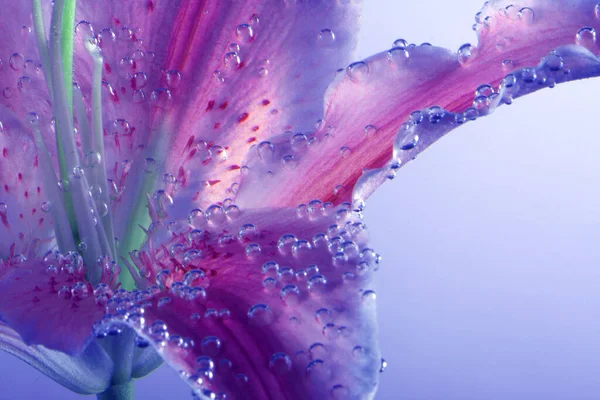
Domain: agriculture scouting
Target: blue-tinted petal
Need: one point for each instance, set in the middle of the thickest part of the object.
(88, 373)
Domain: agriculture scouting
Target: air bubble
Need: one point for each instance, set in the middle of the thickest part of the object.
(397, 55)
(358, 71)
(466, 53)
(211, 346)
(326, 37)
(161, 98)
(173, 79)
(245, 33)
(554, 62)
(232, 60)
(280, 364)
(586, 37)
(526, 15)
(290, 294)
(260, 315)
(92, 159)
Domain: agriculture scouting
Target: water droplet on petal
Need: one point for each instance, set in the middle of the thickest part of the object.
(289, 162)
(527, 15)
(326, 37)
(280, 363)
(260, 315)
(317, 371)
(290, 294)
(339, 392)
(345, 152)
(398, 55)
(508, 65)
(554, 62)
(232, 60)
(211, 346)
(400, 43)
(586, 37)
(173, 79)
(466, 53)
(16, 61)
(161, 98)
(358, 71)
(245, 33)
(92, 159)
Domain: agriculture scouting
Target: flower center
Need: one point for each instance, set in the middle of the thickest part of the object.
(80, 197)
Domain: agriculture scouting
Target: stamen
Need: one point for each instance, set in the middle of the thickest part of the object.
(97, 243)
(99, 177)
(62, 228)
(42, 43)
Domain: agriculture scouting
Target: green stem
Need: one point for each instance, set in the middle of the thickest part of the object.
(118, 392)
(66, 41)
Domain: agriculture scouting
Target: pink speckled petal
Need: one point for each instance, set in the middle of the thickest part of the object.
(274, 305)
(88, 373)
(216, 78)
(367, 104)
(49, 305)
(26, 226)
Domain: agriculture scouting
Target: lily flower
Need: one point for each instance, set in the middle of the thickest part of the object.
(184, 181)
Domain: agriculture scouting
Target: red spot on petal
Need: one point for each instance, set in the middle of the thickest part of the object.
(38, 190)
(197, 196)
(37, 288)
(150, 6)
(107, 68)
(207, 161)
(255, 128)
(234, 167)
(35, 299)
(5, 152)
(4, 219)
(266, 102)
(21, 216)
(33, 211)
(35, 161)
(217, 125)
(224, 105)
(214, 182)
(251, 139)
(41, 221)
(20, 177)
(26, 194)
(243, 117)
(6, 188)
(210, 105)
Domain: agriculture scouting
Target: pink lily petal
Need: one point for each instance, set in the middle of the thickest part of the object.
(49, 303)
(369, 101)
(219, 77)
(275, 304)
(25, 223)
(89, 373)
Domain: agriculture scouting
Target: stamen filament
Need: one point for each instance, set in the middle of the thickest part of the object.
(42, 43)
(96, 242)
(98, 140)
(62, 229)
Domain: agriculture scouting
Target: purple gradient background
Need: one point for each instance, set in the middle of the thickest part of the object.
(490, 287)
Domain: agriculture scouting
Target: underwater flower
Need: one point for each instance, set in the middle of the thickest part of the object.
(196, 195)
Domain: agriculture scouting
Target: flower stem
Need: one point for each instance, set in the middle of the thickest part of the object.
(118, 392)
